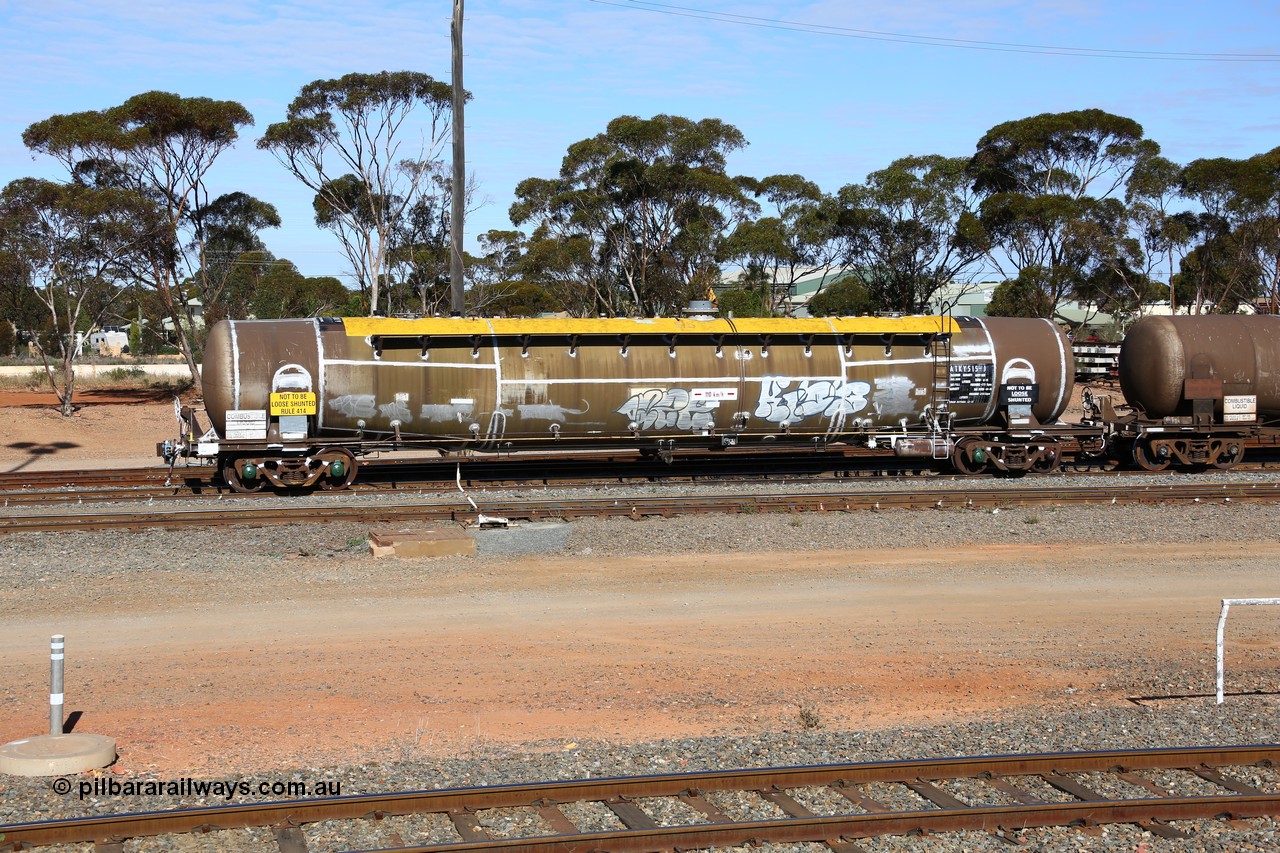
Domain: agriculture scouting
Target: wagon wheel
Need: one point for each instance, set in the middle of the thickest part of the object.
(1231, 455)
(1145, 457)
(1051, 464)
(963, 462)
(341, 470)
(231, 475)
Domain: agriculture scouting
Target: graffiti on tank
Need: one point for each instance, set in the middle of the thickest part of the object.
(397, 411)
(355, 405)
(441, 413)
(828, 398)
(668, 408)
(550, 411)
(894, 396)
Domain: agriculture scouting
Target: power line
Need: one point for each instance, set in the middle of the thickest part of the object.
(932, 41)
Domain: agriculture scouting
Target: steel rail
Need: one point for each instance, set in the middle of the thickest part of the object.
(43, 488)
(192, 489)
(572, 508)
(865, 817)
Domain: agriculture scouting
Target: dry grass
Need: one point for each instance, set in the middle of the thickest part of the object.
(121, 377)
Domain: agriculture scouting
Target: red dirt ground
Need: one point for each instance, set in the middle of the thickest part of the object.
(339, 659)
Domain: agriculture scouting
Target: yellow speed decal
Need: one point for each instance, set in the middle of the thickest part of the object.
(285, 403)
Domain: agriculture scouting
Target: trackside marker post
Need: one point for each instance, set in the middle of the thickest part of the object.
(57, 647)
(57, 753)
(1222, 624)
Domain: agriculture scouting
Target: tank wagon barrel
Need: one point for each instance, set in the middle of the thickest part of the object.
(1229, 355)
(1199, 385)
(314, 390)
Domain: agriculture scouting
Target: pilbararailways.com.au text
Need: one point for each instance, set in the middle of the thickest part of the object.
(228, 789)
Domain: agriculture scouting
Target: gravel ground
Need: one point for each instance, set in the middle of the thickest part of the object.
(26, 559)
(1189, 724)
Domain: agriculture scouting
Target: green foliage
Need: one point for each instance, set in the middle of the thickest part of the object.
(1237, 256)
(1049, 183)
(911, 224)
(1025, 296)
(161, 146)
(8, 338)
(521, 299)
(637, 215)
(802, 237)
(742, 303)
(1071, 153)
(132, 134)
(341, 140)
(284, 292)
(421, 251)
(67, 244)
(848, 297)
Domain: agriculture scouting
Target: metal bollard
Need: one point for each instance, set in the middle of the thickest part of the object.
(56, 646)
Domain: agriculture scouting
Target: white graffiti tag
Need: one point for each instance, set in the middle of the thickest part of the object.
(668, 408)
(355, 405)
(893, 396)
(445, 412)
(829, 398)
(397, 411)
(550, 411)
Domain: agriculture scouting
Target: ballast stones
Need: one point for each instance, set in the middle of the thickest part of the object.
(56, 755)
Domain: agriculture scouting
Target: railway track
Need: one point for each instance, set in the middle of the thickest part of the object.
(423, 479)
(838, 805)
(567, 509)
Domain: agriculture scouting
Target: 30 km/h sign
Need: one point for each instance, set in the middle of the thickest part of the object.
(285, 403)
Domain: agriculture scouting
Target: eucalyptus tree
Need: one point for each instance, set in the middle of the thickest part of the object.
(910, 230)
(348, 140)
(67, 245)
(419, 257)
(638, 215)
(1049, 187)
(225, 237)
(161, 146)
(800, 238)
(500, 281)
(1025, 296)
(20, 309)
(1160, 231)
(283, 291)
(847, 297)
(1234, 258)
(1260, 193)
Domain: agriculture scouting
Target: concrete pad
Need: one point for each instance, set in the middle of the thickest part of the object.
(421, 542)
(539, 537)
(56, 755)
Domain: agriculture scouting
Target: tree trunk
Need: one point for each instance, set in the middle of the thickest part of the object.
(69, 385)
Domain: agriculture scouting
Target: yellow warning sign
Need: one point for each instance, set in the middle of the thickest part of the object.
(293, 403)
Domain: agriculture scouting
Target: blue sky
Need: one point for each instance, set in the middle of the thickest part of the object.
(810, 97)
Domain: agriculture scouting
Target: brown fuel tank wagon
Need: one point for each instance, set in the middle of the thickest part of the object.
(1240, 351)
(293, 401)
(1202, 387)
(538, 381)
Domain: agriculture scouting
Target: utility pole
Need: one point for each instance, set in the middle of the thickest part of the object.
(456, 296)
